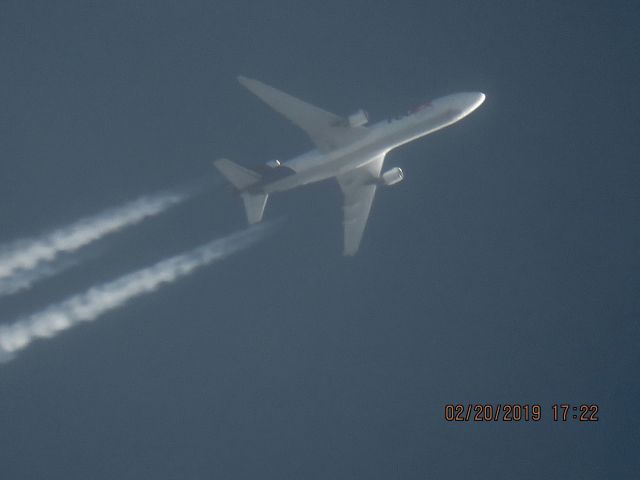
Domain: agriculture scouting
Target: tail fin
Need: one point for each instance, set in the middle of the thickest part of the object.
(242, 178)
(239, 176)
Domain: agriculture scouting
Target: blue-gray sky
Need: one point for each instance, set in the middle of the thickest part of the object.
(503, 269)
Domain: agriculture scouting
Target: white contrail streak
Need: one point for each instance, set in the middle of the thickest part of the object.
(31, 253)
(24, 279)
(100, 299)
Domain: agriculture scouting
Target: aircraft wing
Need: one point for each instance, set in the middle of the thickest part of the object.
(326, 130)
(359, 188)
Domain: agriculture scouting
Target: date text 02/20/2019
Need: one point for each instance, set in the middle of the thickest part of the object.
(519, 412)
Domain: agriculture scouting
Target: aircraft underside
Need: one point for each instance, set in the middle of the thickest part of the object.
(346, 149)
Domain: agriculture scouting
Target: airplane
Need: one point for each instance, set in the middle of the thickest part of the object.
(345, 148)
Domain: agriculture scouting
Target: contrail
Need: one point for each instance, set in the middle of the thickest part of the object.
(32, 253)
(24, 279)
(99, 299)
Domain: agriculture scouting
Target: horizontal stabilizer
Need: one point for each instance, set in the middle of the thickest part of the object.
(254, 204)
(239, 176)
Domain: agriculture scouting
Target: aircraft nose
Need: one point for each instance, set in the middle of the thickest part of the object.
(465, 102)
(468, 102)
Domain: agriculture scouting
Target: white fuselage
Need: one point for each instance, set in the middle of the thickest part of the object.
(380, 138)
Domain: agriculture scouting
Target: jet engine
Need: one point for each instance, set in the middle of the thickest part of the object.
(273, 163)
(358, 118)
(393, 176)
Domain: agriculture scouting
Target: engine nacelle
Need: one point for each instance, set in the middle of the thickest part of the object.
(273, 163)
(393, 176)
(358, 118)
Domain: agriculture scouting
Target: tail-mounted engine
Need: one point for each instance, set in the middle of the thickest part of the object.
(273, 163)
(391, 177)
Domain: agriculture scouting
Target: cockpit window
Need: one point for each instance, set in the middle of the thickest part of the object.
(411, 111)
(420, 107)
